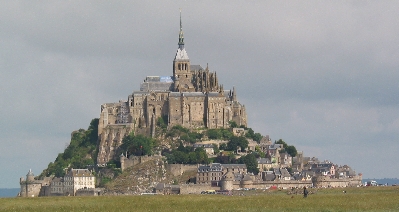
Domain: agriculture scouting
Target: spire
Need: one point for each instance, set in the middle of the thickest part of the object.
(181, 36)
(234, 94)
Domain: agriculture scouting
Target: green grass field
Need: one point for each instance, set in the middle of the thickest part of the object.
(356, 199)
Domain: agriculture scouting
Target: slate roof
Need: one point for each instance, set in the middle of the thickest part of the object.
(211, 167)
(198, 94)
(174, 94)
(195, 67)
(285, 173)
(264, 161)
(80, 173)
(203, 145)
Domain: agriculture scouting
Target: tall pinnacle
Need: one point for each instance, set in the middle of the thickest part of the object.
(181, 36)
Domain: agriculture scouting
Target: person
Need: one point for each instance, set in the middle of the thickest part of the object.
(305, 192)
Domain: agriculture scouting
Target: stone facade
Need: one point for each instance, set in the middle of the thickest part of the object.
(213, 174)
(134, 160)
(30, 187)
(192, 97)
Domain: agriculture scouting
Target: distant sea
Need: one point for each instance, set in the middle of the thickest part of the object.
(389, 181)
(9, 192)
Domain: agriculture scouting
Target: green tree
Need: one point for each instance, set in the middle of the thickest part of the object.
(214, 134)
(257, 137)
(251, 162)
(291, 150)
(137, 145)
(243, 143)
(280, 141)
(233, 124)
(223, 146)
(215, 148)
(250, 133)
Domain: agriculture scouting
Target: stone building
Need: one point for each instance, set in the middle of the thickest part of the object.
(212, 174)
(192, 97)
(77, 179)
(31, 187)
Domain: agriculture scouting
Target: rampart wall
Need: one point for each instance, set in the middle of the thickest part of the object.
(179, 169)
(134, 160)
(196, 188)
(324, 181)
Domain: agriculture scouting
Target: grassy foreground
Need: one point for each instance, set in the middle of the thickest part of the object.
(356, 199)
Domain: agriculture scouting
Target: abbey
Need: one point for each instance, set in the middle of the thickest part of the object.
(192, 97)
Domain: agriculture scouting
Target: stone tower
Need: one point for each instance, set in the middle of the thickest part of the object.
(181, 67)
(227, 181)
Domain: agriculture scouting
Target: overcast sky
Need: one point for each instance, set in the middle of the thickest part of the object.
(321, 75)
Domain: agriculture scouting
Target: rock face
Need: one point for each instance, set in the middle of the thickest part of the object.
(192, 97)
(143, 178)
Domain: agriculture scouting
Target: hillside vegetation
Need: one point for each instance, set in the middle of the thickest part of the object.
(81, 151)
(174, 143)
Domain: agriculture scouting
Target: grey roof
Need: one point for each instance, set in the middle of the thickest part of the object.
(230, 166)
(156, 86)
(264, 161)
(195, 67)
(285, 173)
(211, 167)
(203, 145)
(322, 165)
(80, 173)
(57, 179)
(197, 94)
(277, 171)
(247, 178)
(213, 94)
(174, 94)
(275, 146)
(269, 176)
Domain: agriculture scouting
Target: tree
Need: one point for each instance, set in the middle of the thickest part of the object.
(257, 137)
(280, 141)
(251, 162)
(214, 134)
(233, 143)
(215, 148)
(243, 143)
(291, 150)
(250, 133)
(137, 145)
(223, 146)
(233, 124)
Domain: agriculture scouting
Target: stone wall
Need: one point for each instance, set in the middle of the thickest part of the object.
(110, 139)
(30, 189)
(196, 188)
(179, 169)
(90, 192)
(325, 181)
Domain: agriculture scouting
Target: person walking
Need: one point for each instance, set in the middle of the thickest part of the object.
(305, 192)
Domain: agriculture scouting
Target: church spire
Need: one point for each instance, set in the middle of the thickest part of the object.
(181, 36)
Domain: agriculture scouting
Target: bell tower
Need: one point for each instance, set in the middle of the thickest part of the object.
(181, 67)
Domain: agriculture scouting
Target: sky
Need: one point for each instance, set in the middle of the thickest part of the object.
(321, 75)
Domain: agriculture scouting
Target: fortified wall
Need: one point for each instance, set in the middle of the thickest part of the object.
(324, 181)
(179, 169)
